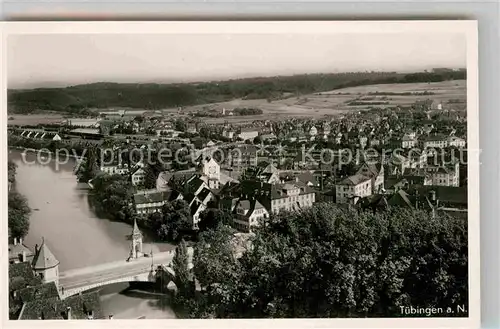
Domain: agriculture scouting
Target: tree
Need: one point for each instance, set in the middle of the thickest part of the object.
(18, 216)
(211, 218)
(11, 168)
(88, 167)
(112, 195)
(176, 219)
(213, 260)
(180, 264)
(326, 261)
(151, 172)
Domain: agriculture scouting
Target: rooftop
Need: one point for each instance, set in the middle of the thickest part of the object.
(55, 309)
(44, 258)
(85, 131)
(355, 180)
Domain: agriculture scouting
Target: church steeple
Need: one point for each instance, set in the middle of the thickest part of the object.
(136, 231)
(136, 247)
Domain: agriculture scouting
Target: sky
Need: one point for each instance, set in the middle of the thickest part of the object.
(57, 60)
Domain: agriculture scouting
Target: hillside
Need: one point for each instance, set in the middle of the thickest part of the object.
(78, 99)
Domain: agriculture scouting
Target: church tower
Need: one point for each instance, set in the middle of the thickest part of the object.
(136, 248)
(45, 264)
(210, 169)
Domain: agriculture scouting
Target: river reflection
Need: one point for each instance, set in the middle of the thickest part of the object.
(76, 236)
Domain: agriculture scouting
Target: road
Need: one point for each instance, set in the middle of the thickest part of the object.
(106, 272)
(115, 270)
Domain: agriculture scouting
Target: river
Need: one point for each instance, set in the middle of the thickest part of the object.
(77, 237)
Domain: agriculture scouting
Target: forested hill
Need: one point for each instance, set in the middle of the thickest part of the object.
(156, 96)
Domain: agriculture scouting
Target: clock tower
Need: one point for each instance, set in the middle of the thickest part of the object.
(210, 169)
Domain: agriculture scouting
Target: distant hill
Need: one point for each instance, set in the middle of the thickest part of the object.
(79, 99)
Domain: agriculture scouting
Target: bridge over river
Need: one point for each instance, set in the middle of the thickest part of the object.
(141, 269)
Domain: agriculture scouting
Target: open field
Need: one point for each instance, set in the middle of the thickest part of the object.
(313, 105)
(336, 101)
(34, 119)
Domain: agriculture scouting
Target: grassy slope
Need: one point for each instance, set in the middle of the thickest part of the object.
(157, 96)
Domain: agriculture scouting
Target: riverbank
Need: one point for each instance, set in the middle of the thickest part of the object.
(78, 238)
(18, 208)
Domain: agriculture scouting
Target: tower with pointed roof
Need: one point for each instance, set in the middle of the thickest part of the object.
(136, 247)
(45, 264)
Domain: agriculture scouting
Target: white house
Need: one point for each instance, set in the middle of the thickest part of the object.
(434, 141)
(248, 133)
(456, 142)
(313, 131)
(356, 186)
(209, 168)
(138, 176)
(115, 169)
(375, 172)
(248, 213)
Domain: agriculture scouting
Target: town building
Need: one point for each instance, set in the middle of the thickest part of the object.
(375, 171)
(248, 133)
(313, 132)
(243, 156)
(151, 201)
(45, 264)
(433, 141)
(248, 214)
(115, 169)
(210, 169)
(455, 141)
(228, 133)
(79, 122)
(279, 197)
(137, 176)
(409, 141)
(18, 252)
(352, 188)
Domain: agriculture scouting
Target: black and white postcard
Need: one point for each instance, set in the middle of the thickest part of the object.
(322, 173)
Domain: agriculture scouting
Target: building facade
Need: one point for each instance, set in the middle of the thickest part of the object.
(353, 187)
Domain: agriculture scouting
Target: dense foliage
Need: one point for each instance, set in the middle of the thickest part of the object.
(247, 111)
(328, 261)
(183, 275)
(19, 211)
(169, 224)
(11, 171)
(88, 167)
(81, 98)
(112, 196)
(211, 218)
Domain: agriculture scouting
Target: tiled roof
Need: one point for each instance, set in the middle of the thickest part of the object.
(354, 180)
(245, 204)
(44, 258)
(21, 275)
(203, 194)
(400, 198)
(434, 138)
(306, 177)
(17, 249)
(141, 198)
(373, 169)
(86, 131)
(54, 308)
(43, 291)
(445, 194)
